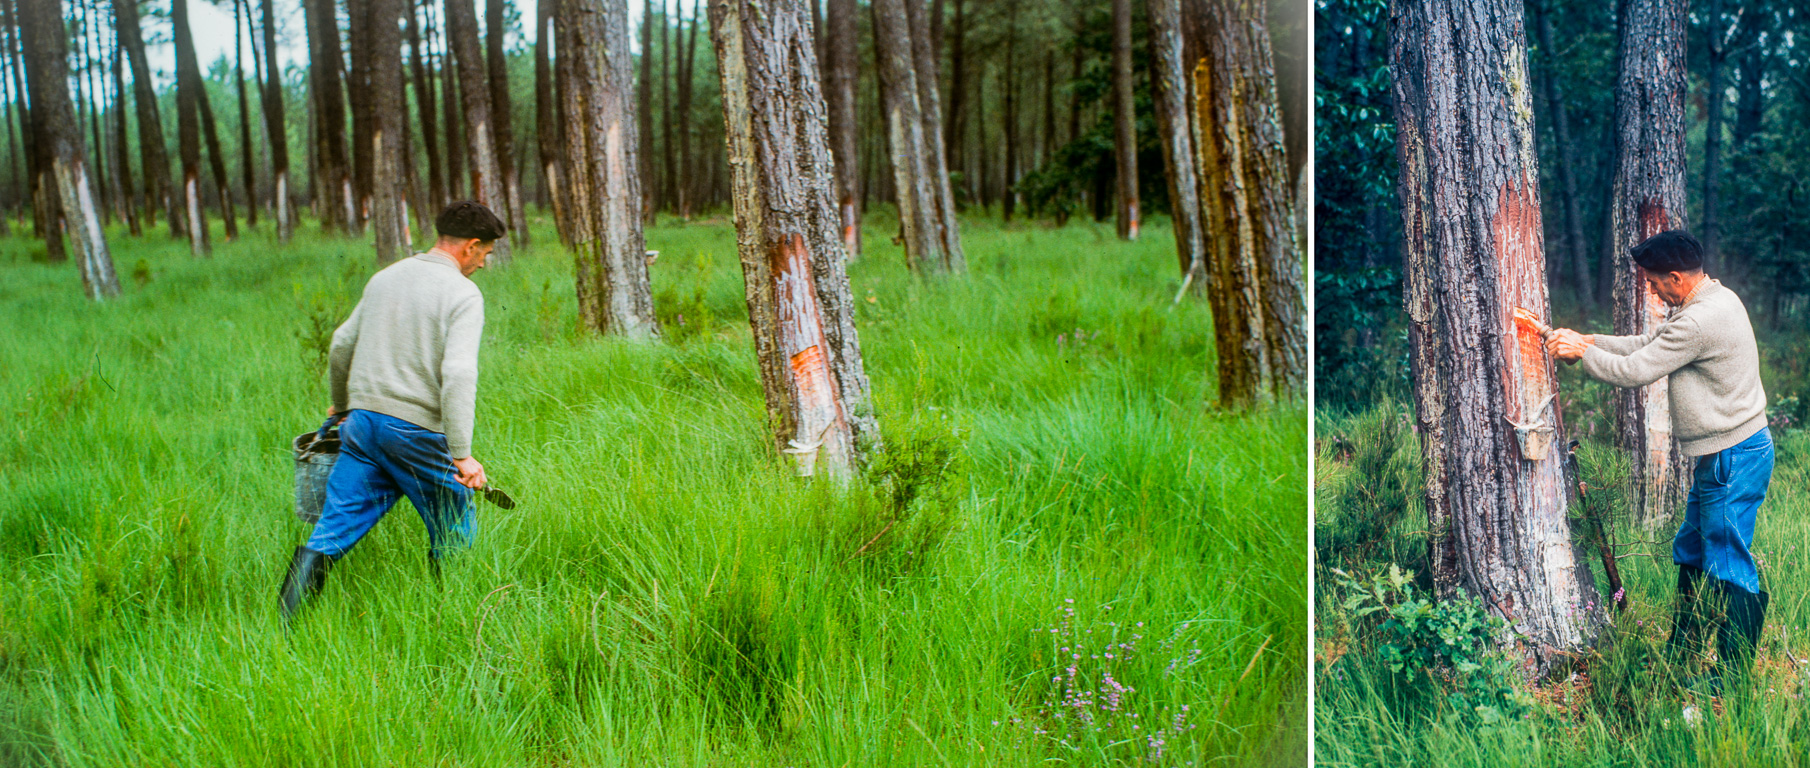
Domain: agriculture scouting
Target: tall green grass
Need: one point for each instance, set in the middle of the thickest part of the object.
(1623, 706)
(667, 592)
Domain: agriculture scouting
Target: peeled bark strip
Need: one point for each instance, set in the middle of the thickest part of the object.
(1124, 123)
(487, 184)
(60, 140)
(1173, 118)
(1649, 199)
(839, 91)
(389, 182)
(905, 127)
(602, 154)
(1497, 485)
(788, 233)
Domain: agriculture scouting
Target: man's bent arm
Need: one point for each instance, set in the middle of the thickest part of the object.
(459, 375)
(339, 359)
(1622, 345)
(1675, 347)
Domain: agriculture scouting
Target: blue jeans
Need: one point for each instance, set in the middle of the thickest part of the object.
(381, 459)
(1726, 491)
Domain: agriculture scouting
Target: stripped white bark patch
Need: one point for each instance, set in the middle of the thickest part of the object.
(822, 431)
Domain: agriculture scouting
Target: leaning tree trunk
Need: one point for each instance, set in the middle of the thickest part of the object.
(501, 125)
(1497, 484)
(602, 149)
(60, 140)
(188, 129)
(274, 127)
(159, 190)
(339, 208)
(389, 181)
(1124, 121)
(248, 167)
(799, 302)
(924, 60)
(187, 62)
(905, 127)
(546, 120)
(1177, 131)
(844, 130)
(1649, 199)
(487, 184)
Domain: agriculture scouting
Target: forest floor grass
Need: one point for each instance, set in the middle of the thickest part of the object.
(1062, 554)
(1621, 706)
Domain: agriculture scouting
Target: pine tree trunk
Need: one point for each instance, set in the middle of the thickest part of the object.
(245, 159)
(122, 157)
(487, 183)
(924, 43)
(338, 205)
(1497, 485)
(389, 182)
(1176, 127)
(358, 94)
(644, 107)
(546, 120)
(424, 106)
(1561, 131)
(669, 170)
(688, 50)
(1009, 148)
(188, 128)
(601, 152)
(911, 159)
(503, 126)
(839, 92)
(209, 126)
(59, 140)
(956, 128)
(1714, 98)
(449, 101)
(275, 128)
(160, 193)
(1124, 122)
(1649, 199)
(799, 303)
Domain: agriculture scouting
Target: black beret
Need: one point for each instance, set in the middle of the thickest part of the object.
(1673, 250)
(468, 218)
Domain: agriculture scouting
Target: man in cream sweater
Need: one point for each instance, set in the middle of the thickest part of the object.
(1706, 351)
(404, 373)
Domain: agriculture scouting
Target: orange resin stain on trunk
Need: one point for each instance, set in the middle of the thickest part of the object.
(1522, 271)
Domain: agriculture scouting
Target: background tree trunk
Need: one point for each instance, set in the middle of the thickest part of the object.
(486, 175)
(188, 129)
(359, 95)
(1124, 124)
(1497, 488)
(601, 152)
(1009, 147)
(1567, 152)
(424, 106)
(122, 157)
(275, 128)
(799, 303)
(844, 132)
(60, 140)
(644, 108)
(160, 194)
(210, 128)
(247, 165)
(905, 127)
(1649, 199)
(338, 208)
(502, 125)
(1176, 127)
(547, 121)
(688, 182)
(456, 148)
(1714, 96)
(925, 56)
(389, 181)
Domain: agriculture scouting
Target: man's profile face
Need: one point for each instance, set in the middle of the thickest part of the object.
(1668, 286)
(477, 251)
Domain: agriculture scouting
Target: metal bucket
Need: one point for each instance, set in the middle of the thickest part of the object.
(315, 453)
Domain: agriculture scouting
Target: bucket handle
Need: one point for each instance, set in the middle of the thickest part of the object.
(331, 422)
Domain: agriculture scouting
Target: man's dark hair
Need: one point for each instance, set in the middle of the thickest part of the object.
(468, 218)
(1673, 250)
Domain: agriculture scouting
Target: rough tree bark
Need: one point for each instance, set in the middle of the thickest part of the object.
(59, 140)
(274, 127)
(159, 190)
(916, 190)
(487, 184)
(1497, 487)
(1124, 122)
(924, 55)
(389, 182)
(546, 119)
(339, 206)
(1649, 198)
(787, 230)
(602, 147)
(501, 124)
(1176, 127)
(839, 91)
